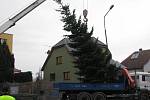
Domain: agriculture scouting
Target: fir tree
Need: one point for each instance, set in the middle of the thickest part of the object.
(6, 63)
(92, 59)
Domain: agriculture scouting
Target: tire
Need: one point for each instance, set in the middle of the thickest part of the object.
(72, 97)
(99, 96)
(84, 96)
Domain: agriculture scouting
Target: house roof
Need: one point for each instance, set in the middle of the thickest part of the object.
(137, 59)
(65, 42)
(16, 70)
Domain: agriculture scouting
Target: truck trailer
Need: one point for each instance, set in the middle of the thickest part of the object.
(126, 88)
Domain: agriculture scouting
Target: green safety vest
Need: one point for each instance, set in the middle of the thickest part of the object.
(7, 97)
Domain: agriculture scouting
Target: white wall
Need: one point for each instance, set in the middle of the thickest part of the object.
(147, 67)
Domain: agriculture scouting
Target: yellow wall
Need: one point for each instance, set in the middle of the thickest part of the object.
(9, 38)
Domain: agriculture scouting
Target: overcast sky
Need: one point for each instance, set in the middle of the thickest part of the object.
(127, 27)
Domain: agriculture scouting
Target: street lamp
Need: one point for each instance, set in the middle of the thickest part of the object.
(104, 24)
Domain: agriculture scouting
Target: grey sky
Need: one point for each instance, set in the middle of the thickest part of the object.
(127, 27)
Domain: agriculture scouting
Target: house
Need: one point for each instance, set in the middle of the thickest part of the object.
(59, 66)
(138, 61)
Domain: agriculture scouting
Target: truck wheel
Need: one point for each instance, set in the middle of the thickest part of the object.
(99, 96)
(72, 97)
(84, 96)
(144, 96)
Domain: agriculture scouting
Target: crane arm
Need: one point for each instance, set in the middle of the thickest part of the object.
(131, 82)
(11, 22)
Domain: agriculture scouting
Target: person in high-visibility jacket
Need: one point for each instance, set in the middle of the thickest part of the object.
(5, 94)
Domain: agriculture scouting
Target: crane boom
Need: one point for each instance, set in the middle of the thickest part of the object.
(11, 22)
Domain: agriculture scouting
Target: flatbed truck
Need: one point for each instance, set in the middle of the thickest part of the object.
(123, 90)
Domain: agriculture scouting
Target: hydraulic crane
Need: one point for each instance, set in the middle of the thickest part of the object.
(6, 58)
(11, 22)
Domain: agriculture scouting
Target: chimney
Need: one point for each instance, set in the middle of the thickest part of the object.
(48, 52)
(140, 49)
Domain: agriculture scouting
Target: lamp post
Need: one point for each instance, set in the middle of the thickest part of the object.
(105, 26)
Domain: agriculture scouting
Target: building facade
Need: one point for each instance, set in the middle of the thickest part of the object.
(59, 66)
(9, 40)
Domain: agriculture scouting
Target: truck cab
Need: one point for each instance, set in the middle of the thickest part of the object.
(142, 80)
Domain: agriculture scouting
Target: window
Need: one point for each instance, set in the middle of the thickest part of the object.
(143, 77)
(66, 75)
(137, 77)
(52, 76)
(135, 55)
(58, 60)
(2, 41)
(147, 78)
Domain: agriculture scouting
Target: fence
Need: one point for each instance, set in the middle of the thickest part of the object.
(41, 90)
